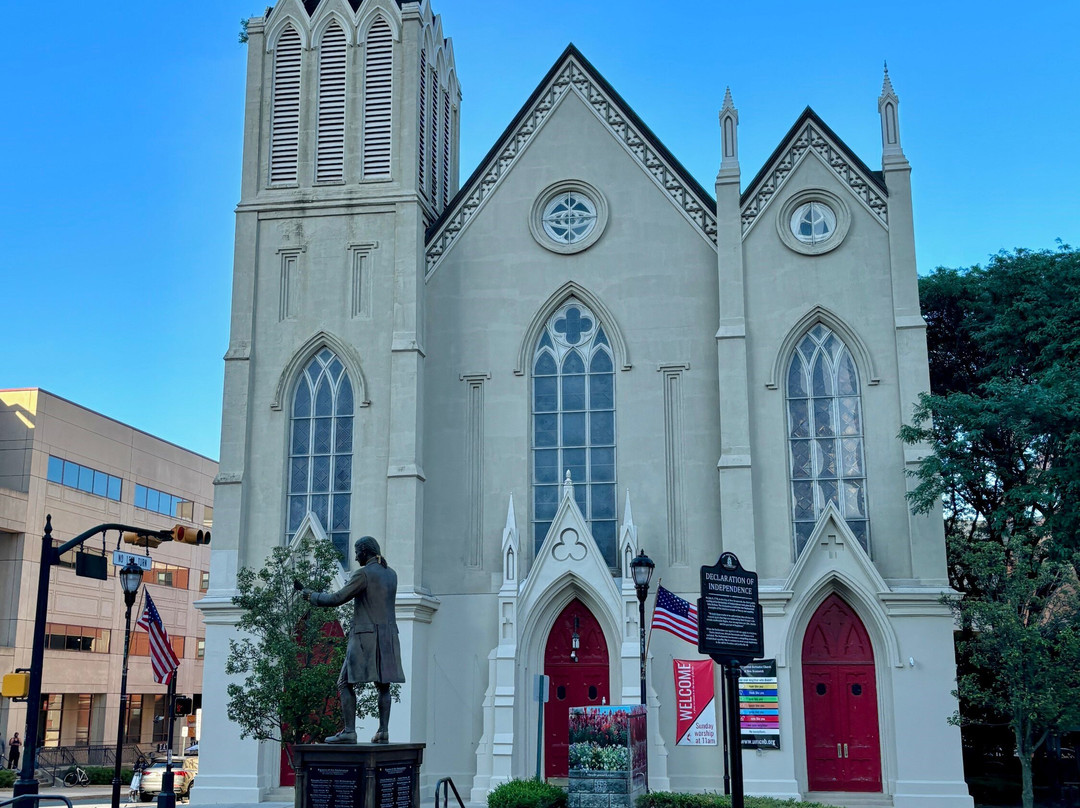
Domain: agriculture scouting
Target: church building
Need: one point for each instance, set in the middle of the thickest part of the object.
(518, 381)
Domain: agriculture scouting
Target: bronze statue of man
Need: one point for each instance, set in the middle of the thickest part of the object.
(373, 653)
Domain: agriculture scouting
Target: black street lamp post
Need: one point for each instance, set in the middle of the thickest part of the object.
(50, 557)
(642, 569)
(130, 578)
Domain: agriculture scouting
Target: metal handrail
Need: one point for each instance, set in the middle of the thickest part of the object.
(444, 786)
(36, 799)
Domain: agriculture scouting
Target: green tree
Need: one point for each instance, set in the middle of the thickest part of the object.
(290, 652)
(1002, 421)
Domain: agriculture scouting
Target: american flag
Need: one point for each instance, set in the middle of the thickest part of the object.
(162, 658)
(675, 615)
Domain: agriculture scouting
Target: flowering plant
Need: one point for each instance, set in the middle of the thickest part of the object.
(602, 726)
(594, 757)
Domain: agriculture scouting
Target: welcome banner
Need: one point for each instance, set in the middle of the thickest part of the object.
(695, 703)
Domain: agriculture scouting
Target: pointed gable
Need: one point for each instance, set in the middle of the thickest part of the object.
(811, 137)
(572, 73)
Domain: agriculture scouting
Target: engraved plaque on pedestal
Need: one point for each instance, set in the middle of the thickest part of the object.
(334, 786)
(358, 775)
(393, 785)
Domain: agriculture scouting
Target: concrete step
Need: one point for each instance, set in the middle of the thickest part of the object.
(849, 799)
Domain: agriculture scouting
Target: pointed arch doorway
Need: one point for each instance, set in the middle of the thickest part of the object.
(843, 748)
(580, 677)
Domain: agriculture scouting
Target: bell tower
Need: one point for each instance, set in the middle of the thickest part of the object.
(350, 152)
(351, 98)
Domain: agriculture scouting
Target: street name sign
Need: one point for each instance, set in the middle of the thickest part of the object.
(121, 559)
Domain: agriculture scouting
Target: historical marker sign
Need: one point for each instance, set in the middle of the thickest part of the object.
(729, 617)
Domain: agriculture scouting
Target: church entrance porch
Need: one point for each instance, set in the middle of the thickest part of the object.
(576, 659)
(843, 749)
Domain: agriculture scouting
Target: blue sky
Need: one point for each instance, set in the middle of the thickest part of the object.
(121, 151)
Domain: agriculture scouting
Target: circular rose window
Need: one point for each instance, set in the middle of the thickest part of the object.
(568, 217)
(813, 222)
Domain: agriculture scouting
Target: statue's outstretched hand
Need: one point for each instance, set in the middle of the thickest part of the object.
(306, 595)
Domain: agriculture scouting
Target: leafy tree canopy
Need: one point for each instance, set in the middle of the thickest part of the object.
(1002, 422)
(291, 652)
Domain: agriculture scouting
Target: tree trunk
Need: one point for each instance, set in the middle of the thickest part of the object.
(1027, 790)
(1025, 752)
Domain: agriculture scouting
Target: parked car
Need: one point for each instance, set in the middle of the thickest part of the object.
(183, 778)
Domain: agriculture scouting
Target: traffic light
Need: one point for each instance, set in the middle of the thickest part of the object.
(15, 686)
(181, 705)
(142, 540)
(190, 535)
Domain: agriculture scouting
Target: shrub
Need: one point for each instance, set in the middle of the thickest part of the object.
(666, 799)
(102, 775)
(7, 778)
(527, 794)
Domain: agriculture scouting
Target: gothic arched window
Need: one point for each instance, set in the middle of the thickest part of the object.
(573, 408)
(320, 449)
(825, 435)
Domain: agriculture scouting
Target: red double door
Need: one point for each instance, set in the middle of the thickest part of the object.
(843, 749)
(579, 678)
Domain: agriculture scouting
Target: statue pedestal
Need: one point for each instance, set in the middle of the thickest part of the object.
(364, 775)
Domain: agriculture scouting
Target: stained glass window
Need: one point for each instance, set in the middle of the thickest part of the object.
(825, 435)
(574, 423)
(813, 222)
(569, 217)
(320, 450)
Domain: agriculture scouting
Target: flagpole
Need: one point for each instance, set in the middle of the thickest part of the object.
(167, 797)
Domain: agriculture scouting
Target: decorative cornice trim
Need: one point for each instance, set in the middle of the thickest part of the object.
(416, 607)
(410, 470)
(572, 74)
(238, 351)
(810, 135)
(218, 609)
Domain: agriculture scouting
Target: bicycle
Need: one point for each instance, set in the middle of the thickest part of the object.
(76, 776)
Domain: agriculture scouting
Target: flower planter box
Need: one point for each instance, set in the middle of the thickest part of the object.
(608, 756)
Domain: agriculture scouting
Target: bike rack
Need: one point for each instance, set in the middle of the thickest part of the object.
(36, 799)
(443, 789)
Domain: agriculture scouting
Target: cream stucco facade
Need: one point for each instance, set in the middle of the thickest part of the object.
(440, 304)
(84, 469)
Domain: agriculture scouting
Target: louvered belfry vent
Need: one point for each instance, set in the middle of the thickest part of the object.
(378, 97)
(285, 123)
(422, 127)
(433, 138)
(330, 147)
(445, 147)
